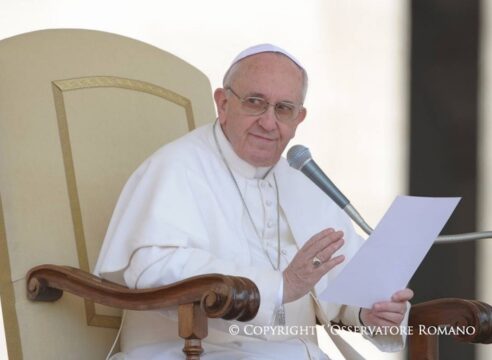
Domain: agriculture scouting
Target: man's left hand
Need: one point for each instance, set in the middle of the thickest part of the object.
(388, 313)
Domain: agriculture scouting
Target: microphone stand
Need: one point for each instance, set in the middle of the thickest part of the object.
(299, 157)
(443, 239)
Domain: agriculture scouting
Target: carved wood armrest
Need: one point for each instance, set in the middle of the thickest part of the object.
(470, 321)
(472, 317)
(220, 296)
(198, 298)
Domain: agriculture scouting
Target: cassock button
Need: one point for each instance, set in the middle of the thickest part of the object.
(268, 203)
(270, 223)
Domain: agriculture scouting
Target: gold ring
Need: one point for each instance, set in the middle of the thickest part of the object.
(316, 262)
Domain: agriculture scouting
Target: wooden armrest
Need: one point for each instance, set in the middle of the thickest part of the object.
(472, 317)
(221, 296)
(198, 298)
(457, 313)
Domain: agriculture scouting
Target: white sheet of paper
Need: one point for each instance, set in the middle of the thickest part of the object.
(389, 257)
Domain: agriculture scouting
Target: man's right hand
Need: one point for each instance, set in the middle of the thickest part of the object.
(302, 274)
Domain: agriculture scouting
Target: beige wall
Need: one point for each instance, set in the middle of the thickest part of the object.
(354, 51)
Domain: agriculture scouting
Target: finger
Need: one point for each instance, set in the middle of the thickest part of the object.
(324, 243)
(390, 307)
(330, 264)
(389, 317)
(402, 295)
(315, 239)
(325, 254)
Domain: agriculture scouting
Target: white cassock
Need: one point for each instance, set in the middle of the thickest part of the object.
(180, 215)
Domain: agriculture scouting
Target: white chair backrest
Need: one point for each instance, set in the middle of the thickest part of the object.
(79, 111)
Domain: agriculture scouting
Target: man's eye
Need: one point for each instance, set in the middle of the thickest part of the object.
(285, 107)
(254, 101)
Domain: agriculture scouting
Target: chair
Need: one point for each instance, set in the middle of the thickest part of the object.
(80, 110)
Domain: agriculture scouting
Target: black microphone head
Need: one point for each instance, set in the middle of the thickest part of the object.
(298, 155)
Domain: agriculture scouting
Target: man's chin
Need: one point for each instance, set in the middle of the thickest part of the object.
(263, 161)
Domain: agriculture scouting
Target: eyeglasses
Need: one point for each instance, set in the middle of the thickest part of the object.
(253, 105)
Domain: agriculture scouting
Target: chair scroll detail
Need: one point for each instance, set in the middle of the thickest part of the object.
(471, 315)
(198, 298)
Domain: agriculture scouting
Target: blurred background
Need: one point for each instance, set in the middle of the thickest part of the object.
(399, 101)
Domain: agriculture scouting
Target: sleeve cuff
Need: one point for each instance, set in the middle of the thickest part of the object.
(350, 315)
(269, 284)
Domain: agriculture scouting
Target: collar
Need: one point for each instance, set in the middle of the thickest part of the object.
(237, 164)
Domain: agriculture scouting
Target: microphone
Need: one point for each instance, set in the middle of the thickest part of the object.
(299, 157)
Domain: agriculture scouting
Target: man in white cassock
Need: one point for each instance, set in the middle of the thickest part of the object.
(222, 200)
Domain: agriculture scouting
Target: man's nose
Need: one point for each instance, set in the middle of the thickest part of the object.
(268, 120)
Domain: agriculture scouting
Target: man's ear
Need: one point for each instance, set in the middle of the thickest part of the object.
(220, 102)
(299, 119)
(302, 115)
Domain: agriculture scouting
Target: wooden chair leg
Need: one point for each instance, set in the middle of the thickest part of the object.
(423, 347)
(192, 328)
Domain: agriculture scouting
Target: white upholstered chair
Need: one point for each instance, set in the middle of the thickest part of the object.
(79, 111)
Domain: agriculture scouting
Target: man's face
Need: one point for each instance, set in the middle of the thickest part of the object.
(260, 139)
